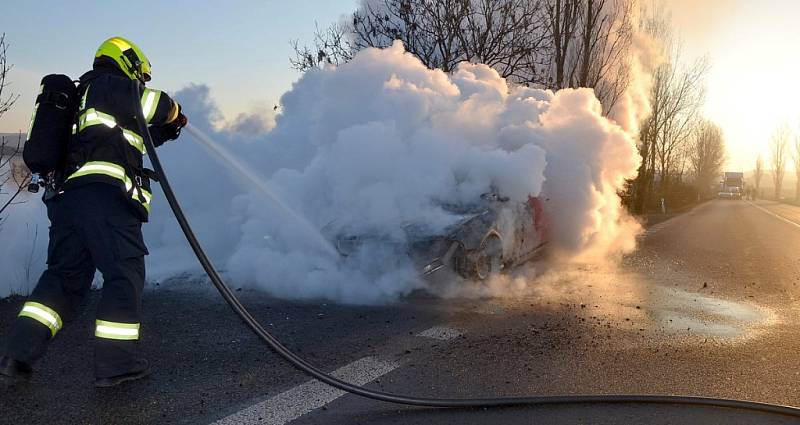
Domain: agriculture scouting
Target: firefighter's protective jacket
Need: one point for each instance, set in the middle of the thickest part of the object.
(107, 145)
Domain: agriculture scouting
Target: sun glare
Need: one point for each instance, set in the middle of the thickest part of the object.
(752, 85)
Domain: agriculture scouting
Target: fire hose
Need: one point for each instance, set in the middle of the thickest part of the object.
(307, 368)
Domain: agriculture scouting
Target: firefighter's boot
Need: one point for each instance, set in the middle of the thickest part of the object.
(14, 371)
(140, 370)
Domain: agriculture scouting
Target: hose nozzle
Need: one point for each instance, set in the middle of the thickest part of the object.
(36, 182)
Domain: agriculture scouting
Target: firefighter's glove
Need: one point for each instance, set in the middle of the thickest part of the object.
(172, 130)
(181, 120)
(166, 132)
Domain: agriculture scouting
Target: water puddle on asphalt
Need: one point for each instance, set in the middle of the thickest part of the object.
(636, 301)
(682, 311)
(610, 296)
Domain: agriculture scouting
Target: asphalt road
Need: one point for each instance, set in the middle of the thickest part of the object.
(706, 306)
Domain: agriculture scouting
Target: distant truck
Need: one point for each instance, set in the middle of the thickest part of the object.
(732, 186)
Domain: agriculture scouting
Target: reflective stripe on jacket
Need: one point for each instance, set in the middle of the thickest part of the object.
(107, 145)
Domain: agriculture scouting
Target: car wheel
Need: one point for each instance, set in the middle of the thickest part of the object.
(489, 261)
(461, 262)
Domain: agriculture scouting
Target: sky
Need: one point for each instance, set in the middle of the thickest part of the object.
(241, 50)
(754, 49)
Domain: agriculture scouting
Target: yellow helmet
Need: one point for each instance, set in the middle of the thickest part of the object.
(128, 57)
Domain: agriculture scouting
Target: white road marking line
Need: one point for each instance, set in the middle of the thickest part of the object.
(311, 395)
(779, 217)
(655, 228)
(441, 333)
(296, 402)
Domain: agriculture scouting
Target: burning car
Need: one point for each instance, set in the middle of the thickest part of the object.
(491, 235)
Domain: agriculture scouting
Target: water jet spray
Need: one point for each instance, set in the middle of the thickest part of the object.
(252, 179)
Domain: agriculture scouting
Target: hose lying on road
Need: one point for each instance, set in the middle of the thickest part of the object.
(320, 375)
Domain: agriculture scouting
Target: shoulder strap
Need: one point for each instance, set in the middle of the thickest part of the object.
(83, 84)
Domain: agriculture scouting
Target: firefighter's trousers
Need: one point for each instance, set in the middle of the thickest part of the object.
(92, 227)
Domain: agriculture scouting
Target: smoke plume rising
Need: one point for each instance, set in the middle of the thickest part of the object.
(375, 144)
(383, 141)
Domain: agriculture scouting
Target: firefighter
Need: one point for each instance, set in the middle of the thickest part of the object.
(96, 219)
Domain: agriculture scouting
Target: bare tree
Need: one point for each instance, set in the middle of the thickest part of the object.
(10, 98)
(779, 150)
(562, 19)
(676, 97)
(505, 34)
(707, 155)
(332, 46)
(551, 43)
(428, 28)
(11, 176)
(757, 174)
(679, 95)
(589, 41)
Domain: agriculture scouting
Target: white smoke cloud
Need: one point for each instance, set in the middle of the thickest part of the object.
(382, 141)
(645, 55)
(379, 142)
(23, 242)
